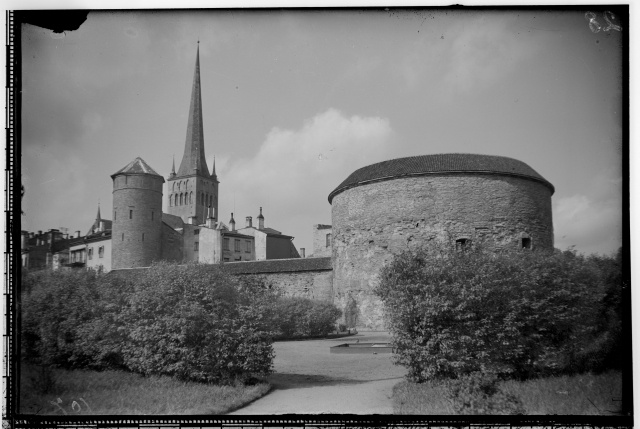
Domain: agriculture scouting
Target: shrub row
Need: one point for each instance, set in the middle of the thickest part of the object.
(194, 322)
(190, 321)
(518, 315)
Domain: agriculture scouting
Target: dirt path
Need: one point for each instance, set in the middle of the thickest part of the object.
(308, 379)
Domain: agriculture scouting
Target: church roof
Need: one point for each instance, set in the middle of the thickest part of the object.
(439, 164)
(193, 158)
(137, 166)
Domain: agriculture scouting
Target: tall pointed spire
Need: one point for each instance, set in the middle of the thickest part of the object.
(213, 174)
(173, 167)
(193, 159)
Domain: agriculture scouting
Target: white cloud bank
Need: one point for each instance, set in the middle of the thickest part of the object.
(293, 172)
(592, 223)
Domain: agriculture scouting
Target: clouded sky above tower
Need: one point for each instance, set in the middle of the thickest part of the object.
(294, 101)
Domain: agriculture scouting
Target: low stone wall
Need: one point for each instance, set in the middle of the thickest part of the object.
(307, 277)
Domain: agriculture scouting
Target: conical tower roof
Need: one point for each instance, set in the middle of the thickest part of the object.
(137, 166)
(193, 158)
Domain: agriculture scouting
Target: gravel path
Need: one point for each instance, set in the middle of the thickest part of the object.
(308, 379)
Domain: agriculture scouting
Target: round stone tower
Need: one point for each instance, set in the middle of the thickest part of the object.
(136, 238)
(451, 199)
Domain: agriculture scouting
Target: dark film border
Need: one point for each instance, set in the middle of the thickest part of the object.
(11, 416)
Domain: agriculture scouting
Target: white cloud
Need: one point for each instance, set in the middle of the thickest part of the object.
(293, 172)
(591, 223)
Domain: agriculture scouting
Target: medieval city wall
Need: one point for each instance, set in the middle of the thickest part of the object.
(305, 277)
(374, 221)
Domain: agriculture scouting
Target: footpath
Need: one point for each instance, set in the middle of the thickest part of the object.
(308, 379)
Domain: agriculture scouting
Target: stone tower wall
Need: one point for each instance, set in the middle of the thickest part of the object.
(372, 222)
(137, 220)
(192, 189)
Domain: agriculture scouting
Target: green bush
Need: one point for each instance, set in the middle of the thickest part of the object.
(518, 315)
(56, 306)
(479, 393)
(195, 323)
(302, 317)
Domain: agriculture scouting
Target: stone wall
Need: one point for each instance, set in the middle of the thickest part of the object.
(320, 248)
(310, 278)
(374, 221)
(137, 222)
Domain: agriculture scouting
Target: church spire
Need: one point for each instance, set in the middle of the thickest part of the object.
(193, 160)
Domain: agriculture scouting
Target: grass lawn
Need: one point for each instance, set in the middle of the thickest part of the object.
(584, 394)
(118, 392)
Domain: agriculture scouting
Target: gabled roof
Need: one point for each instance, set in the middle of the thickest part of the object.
(137, 166)
(463, 163)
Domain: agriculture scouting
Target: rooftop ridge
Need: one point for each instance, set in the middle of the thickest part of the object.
(137, 166)
(447, 163)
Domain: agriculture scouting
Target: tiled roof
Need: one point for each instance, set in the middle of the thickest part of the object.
(139, 166)
(440, 164)
(173, 221)
(278, 266)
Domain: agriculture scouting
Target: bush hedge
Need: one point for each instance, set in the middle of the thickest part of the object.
(194, 322)
(296, 317)
(518, 315)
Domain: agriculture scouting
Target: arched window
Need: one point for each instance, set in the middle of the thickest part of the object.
(191, 198)
(170, 200)
(175, 202)
(202, 198)
(181, 199)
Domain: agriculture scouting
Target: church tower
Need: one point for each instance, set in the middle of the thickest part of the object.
(192, 190)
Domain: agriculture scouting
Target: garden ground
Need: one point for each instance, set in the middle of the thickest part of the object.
(308, 379)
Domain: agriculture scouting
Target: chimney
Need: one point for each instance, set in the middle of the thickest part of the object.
(39, 232)
(260, 220)
(249, 222)
(24, 238)
(77, 234)
(302, 252)
(211, 220)
(232, 223)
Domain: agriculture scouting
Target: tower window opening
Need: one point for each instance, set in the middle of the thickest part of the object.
(463, 244)
(123, 236)
(101, 252)
(195, 246)
(130, 214)
(115, 215)
(152, 215)
(143, 236)
(526, 243)
(328, 240)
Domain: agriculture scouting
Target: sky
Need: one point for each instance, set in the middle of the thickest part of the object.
(295, 101)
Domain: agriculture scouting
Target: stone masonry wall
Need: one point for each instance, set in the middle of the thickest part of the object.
(137, 223)
(320, 247)
(373, 222)
(310, 278)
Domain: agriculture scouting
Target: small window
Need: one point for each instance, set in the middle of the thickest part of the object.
(151, 215)
(195, 246)
(236, 245)
(196, 231)
(101, 252)
(143, 236)
(115, 215)
(226, 259)
(123, 236)
(90, 253)
(126, 179)
(328, 240)
(526, 243)
(226, 244)
(238, 258)
(247, 246)
(462, 244)
(130, 214)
